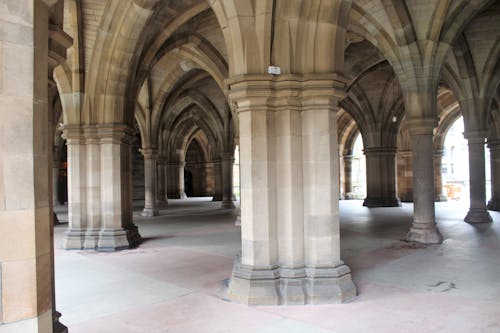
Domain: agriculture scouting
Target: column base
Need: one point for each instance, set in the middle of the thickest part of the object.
(273, 286)
(91, 239)
(150, 212)
(113, 240)
(478, 216)
(183, 196)
(440, 198)
(292, 286)
(73, 239)
(381, 202)
(329, 285)
(57, 327)
(425, 235)
(254, 286)
(227, 204)
(133, 236)
(493, 205)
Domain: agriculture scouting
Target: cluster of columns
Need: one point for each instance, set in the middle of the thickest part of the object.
(289, 184)
(99, 188)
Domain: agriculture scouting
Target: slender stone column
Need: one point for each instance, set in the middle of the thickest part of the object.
(438, 176)
(117, 230)
(161, 171)
(477, 212)
(347, 176)
(218, 185)
(381, 181)
(227, 181)
(405, 175)
(150, 205)
(25, 208)
(93, 187)
(423, 229)
(77, 191)
(182, 193)
(494, 203)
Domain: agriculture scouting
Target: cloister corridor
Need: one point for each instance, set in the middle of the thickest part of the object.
(176, 280)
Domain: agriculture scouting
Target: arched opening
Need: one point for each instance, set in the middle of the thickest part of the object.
(455, 166)
(358, 170)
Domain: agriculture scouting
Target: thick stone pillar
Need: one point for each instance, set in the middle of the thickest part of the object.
(218, 185)
(405, 175)
(423, 229)
(438, 176)
(381, 187)
(494, 146)
(289, 194)
(77, 191)
(227, 181)
(347, 159)
(118, 231)
(25, 202)
(478, 212)
(150, 205)
(182, 192)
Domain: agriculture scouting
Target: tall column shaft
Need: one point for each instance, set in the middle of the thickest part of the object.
(347, 159)
(93, 187)
(494, 203)
(423, 229)
(218, 181)
(478, 212)
(150, 205)
(161, 172)
(381, 189)
(77, 190)
(25, 202)
(227, 180)
(405, 175)
(438, 176)
(182, 192)
(172, 175)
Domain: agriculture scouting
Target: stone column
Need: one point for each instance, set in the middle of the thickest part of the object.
(494, 203)
(347, 176)
(328, 279)
(218, 185)
(227, 181)
(118, 231)
(161, 170)
(182, 193)
(150, 205)
(77, 191)
(478, 212)
(381, 181)
(25, 208)
(405, 175)
(438, 176)
(423, 229)
(172, 175)
(289, 194)
(93, 187)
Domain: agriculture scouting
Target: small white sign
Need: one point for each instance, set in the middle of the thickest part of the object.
(275, 70)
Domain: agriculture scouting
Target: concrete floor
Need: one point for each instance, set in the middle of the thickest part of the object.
(175, 281)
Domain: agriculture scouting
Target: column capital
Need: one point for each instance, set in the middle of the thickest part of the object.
(475, 136)
(422, 126)
(493, 144)
(112, 133)
(149, 153)
(379, 151)
(73, 134)
(289, 92)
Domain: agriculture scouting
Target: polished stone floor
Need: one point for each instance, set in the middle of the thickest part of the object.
(176, 280)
